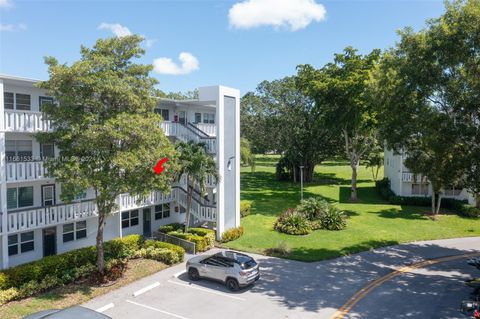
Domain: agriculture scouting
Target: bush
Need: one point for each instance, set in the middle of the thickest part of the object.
(468, 210)
(200, 242)
(245, 208)
(165, 255)
(282, 169)
(8, 295)
(333, 219)
(313, 208)
(160, 244)
(383, 188)
(293, 223)
(125, 247)
(170, 227)
(207, 234)
(232, 234)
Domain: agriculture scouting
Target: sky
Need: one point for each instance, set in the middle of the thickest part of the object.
(236, 43)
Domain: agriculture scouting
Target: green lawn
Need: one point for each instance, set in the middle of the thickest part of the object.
(371, 223)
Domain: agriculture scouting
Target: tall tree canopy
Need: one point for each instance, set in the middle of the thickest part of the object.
(291, 123)
(104, 125)
(428, 92)
(341, 90)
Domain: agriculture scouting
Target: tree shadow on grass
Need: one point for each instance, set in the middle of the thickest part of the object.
(405, 212)
(366, 195)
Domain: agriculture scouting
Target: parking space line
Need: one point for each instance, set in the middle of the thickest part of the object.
(157, 310)
(105, 308)
(206, 290)
(143, 290)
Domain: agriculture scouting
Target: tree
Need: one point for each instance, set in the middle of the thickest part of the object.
(294, 126)
(375, 160)
(427, 91)
(189, 95)
(196, 165)
(104, 125)
(246, 156)
(341, 90)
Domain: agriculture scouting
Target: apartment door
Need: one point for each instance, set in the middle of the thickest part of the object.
(182, 117)
(48, 195)
(147, 222)
(49, 241)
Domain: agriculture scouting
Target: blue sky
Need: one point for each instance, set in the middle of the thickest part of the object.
(256, 42)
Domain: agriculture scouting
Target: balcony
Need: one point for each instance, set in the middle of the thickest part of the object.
(186, 133)
(409, 178)
(38, 217)
(209, 129)
(25, 171)
(25, 121)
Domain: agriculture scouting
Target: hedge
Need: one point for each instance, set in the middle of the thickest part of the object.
(245, 208)
(202, 243)
(208, 234)
(67, 263)
(170, 227)
(232, 234)
(460, 206)
(160, 244)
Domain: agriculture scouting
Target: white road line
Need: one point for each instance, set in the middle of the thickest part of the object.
(105, 308)
(155, 309)
(143, 290)
(206, 290)
(179, 273)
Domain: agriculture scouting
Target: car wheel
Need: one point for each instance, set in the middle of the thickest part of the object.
(232, 284)
(193, 274)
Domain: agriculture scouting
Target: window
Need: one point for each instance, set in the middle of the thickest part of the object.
(8, 100)
(23, 102)
(74, 231)
(453, 190)
(130, 218)
(19, 197)
(20, 243)
(47, 150)
(18, 150)
(198, 117)
(419, 189)
(81, 195)
(42, 100)
(209, 118)
(165, 113)
(162, 211)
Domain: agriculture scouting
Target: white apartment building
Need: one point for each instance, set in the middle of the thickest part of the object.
(35, 223)
(405, 183)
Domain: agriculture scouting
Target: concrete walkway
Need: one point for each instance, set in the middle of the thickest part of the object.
(292, 289)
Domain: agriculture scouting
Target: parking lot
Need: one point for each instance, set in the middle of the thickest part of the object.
(291, 289)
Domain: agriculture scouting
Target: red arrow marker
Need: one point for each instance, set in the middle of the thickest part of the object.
(159, 167)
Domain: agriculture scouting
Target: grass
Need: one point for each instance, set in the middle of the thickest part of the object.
(74, 294)
(372, 222)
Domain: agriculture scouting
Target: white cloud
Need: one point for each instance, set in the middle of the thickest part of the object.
(149, 42)
(5, 3)
(291, 14)
(12, 27)
(167, 66)
(116, 28)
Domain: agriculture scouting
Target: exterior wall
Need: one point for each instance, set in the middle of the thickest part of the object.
(228, 129)
(394, 167)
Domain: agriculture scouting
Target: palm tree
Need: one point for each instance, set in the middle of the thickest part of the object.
(196, 164)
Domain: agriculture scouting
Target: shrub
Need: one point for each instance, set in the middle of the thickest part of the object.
(159, 244)
(313, 208)
(8, 295)
(468, 210)
(282, 169)
(170, 227)
(207, 234)
(232, 234)
(383, 188)
(245, 208)
(293, 223)
(3, 281)
(333, 219)
(200, 242)
(124, 247)
(281, 250)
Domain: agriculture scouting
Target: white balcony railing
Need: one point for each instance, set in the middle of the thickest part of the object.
(209, 129)
(25, 171)
(184, 133)
(25, 121)
(48, 216)
(39, 217)
(410, 178)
